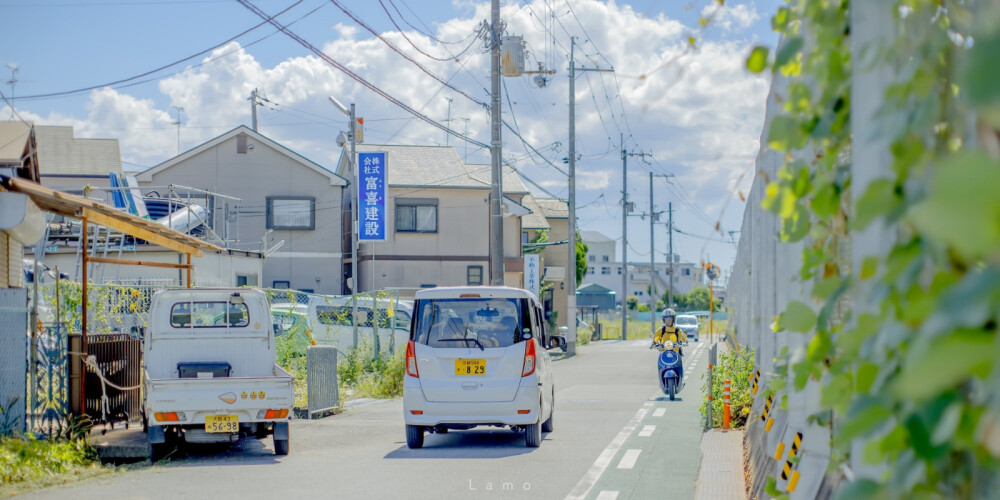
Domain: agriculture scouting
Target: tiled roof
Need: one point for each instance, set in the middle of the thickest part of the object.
(553, 208)
(536, 219)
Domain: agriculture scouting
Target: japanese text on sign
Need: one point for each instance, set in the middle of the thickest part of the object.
(372, 193)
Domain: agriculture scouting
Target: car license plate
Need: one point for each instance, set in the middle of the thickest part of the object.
(222, 423)
(470, 367)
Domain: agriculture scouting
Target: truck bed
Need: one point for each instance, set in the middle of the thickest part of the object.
(192, 399)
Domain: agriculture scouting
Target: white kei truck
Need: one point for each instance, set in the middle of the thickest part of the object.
(209, 372)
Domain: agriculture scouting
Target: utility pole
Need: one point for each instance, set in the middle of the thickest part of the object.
(496, 184)
(465, 157)
(654, 216)
(626, 208)
(448, 120)
(178, 123)
(253, 108)
(670, 236)
(571, 263)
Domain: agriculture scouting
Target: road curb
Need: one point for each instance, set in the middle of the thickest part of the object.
(721, 472)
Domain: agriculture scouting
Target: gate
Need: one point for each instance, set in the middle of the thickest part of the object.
(49, 394)
(114, 378)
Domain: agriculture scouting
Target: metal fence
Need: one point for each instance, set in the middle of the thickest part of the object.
(114, 378)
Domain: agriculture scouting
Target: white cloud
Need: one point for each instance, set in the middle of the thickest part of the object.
(728, 16)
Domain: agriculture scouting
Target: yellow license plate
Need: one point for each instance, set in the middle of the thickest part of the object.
(222, 423)
(470, 367)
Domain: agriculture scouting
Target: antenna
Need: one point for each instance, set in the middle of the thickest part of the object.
(180, 110)
(12, 82)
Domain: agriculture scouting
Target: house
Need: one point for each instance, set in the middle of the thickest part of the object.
(282, 204)
(71, 163)
(437, 228)
(550, 217)
(604, 269)
(21, 221)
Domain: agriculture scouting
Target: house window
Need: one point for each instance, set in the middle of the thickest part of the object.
(590, 258)
(605, 270)
(619, 270)
(474, 275)
(604, 258)
(281, 285)
(590, 270)
(687, 272)
(524, 237)
(416, 215)
(291, 212)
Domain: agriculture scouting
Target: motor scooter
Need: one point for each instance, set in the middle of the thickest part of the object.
(670, 368)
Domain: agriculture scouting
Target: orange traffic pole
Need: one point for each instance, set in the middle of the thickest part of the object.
(725, 405)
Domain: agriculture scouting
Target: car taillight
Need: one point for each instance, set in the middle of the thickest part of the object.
(411, 360)
(529, 358)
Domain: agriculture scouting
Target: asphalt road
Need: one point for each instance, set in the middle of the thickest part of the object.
(615, 436)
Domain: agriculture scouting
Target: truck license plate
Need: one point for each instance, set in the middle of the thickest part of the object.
(222, 423)
(470, 367)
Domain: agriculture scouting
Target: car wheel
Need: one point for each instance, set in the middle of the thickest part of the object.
(533, 435)
(547, 426)
(414, 436)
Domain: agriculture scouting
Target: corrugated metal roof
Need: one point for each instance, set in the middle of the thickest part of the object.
(13, 139)
(553, 208)
(536, 219)
(61, 153)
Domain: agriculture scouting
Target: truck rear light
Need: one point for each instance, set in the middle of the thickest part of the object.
(417, 412)
(167, 416)
(529, 358)
(523, 412)
(276, 413)
(411, 360)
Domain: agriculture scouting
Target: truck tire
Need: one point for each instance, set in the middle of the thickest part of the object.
(414, 436)
(533, 435)
(280, 446)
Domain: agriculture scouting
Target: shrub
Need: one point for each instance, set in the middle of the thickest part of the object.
(736, 366)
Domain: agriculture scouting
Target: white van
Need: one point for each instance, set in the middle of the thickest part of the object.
(476, 357)
(329, 320)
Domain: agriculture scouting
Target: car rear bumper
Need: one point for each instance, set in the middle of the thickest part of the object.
(477, 413)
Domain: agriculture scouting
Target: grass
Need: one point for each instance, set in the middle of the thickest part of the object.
(736, 366)
(27, 463)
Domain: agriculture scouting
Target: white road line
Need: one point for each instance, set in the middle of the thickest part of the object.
(590, 478)
(659, 412)
(629, 458)
(607, 495)
(647, 430)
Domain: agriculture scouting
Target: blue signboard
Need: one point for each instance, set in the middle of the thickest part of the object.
(372, 193)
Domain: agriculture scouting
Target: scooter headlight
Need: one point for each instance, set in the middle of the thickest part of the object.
(668, 345)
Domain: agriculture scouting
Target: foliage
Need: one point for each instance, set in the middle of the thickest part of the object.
(632, 302)
(735, 365)
(695, 300)
(368, 376)
(28, 459)
(912, 374)
(581, 259)
(541, 236)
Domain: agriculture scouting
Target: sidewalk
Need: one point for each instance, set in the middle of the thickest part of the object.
(720, 476)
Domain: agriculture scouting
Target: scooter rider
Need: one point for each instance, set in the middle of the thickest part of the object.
(669, 331)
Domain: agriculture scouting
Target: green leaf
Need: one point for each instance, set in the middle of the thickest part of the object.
(825, 201)
(980, 72)
(878, 199)
(866, 377)
(869, 267)
(963, 209)
(757, 60)
(784, 133)
(796, 227)
(780, 19)
(866, 415)
(789, 48)
(952, 360)
(798, 317)
(825, 288)
(947, 424)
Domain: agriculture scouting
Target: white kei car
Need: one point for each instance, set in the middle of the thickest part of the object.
(688, 323)
(476, 358)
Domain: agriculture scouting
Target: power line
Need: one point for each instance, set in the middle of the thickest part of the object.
(161, 68)
(329, 60)
(418, 49)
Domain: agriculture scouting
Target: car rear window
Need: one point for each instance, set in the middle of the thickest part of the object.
(490, 322)
(681, 320)
(209, 315)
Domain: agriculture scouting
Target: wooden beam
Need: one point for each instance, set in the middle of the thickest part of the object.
(108, 260)
(138, 232)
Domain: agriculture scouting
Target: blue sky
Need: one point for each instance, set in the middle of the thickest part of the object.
(697, 111)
